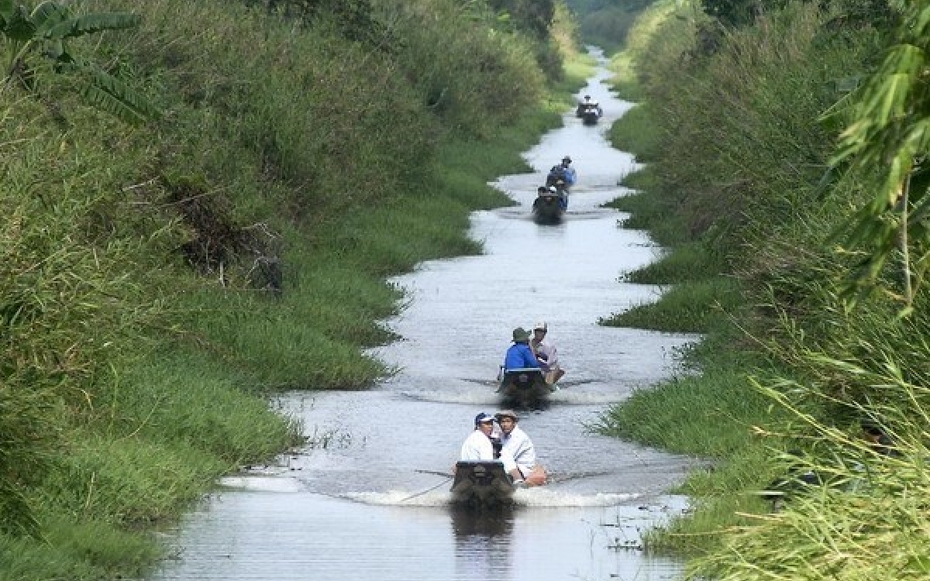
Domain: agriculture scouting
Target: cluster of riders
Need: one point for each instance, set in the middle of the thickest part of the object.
(588, 105)
(558, 180)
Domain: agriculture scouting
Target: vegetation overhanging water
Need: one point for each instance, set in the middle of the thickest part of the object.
(778, 171)
(149, 269)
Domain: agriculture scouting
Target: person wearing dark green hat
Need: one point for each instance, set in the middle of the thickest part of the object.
(519, 355)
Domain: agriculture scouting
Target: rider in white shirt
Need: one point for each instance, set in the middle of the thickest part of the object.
(517, 445)
(546, 353)
(479, 446)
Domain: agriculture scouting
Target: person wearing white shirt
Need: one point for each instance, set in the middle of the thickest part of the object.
(516, 444)
(479, 446)
(546, 353)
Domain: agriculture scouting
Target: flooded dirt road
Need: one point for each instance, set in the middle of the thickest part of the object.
(371, 499)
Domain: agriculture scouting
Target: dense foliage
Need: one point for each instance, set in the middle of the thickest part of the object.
(161, 279)
(789, 152)
(606, 23)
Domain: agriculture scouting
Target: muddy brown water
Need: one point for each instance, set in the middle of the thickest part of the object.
(371, 500)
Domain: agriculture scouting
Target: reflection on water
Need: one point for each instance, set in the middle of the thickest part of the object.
(286, 536)
(482, 542)
(468, 523)
(372, 500)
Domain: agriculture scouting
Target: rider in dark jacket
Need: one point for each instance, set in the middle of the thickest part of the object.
(565, 174)
(519, 355)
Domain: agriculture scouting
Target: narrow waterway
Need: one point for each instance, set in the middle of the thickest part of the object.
(371, 499)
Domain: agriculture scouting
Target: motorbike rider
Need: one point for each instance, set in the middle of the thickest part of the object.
(582, 105)
(546, 353)
(588, 103)
(565, 173)
(562, 194)
(541, 192)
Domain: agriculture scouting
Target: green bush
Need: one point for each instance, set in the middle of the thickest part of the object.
(160, 281)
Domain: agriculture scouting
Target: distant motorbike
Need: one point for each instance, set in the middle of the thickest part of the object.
(524, 388)
(551, 202)
(590, 113)
(548, 207)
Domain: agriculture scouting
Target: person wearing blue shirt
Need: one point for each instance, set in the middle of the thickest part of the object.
(567, 171)
(519, 355)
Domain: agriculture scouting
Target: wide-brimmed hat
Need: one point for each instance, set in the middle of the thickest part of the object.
(483, 417)
(520, 335)
(506, 414)
(541, 326)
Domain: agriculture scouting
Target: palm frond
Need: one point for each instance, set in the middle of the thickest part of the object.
(19, 26)
(91, 23)
(6, 12)
(48, 14)
(110, 94)
(887, 138)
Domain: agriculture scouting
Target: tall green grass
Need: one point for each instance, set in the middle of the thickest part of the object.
(692, 307)
(633, 132)
(659, 417)
(788, 366)
(869, 522)
(161, 282)
(78, 551)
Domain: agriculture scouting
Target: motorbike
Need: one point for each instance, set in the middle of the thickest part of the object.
(590, 114)
(557, 181)
(548, 207)
(524, 388)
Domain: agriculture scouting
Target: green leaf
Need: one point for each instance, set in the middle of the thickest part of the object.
(6, 12)
(110, 94)
(48, 14)
(91, 23)
(19, 27)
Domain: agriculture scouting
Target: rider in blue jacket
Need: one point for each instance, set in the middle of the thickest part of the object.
(565, 172)
(519, 355)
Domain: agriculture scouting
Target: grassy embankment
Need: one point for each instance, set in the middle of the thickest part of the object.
(161, 281)
(732, 125)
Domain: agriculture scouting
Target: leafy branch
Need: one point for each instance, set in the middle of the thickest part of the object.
(42, 34)
(886, 145)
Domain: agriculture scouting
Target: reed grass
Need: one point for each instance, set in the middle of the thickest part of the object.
(691, 307)
(691, 262)
(788, 370)
(710, 414)
(141, 349)
(78, 551)
(650, 212)
(632, 133)
(868, 523)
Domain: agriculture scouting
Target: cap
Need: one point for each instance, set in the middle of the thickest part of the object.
(506, 414)
(520, 334)
(482, 418)
(566, 158)
(542, 325)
